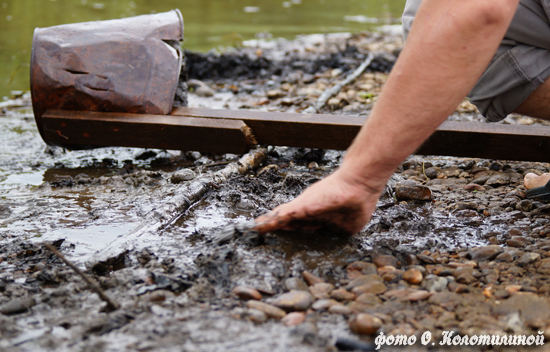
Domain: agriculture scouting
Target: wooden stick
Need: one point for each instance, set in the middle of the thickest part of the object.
(330, 92)
(111, 305)
(175, 204)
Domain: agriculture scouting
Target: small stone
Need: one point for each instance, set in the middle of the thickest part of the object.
(257, 316)
(418, 296)
(200, 88)
(474, 187)
(435, 283)
(528, 258)
(426, 259)
(413, 192)
(247, 293)
(311, 279)
(182, 176)
(340, 309)
(452, 171)
(504, 257)
(313, 165)
(334, 103)
(293, 301)
(525, 205)
(323, 304)
(17, 306)
(413, 276)
(485, 253)
(275, 93)
(364, 267)
(204, 91)
(365, 324)
(534, 310)
(270, 310)
(371, 287)
(160, 295)
(342, 294)
(363, 279)
(431, 172)
(368, 299)
(321, 290)
(385, 260)
(295, 283)
(518, 242)
(498, 180)
(294, 318)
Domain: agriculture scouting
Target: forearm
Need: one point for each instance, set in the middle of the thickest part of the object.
(450, 45)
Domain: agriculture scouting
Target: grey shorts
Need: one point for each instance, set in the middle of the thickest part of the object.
(520, 65)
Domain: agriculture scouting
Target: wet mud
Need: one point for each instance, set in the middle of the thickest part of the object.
(453, 244)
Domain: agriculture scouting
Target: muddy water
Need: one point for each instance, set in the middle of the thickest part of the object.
(208, 24)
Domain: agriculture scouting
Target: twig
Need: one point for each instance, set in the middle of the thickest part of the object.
(174, 205)
(338, 87)
(111, 306)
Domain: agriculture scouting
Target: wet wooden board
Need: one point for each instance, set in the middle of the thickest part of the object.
(210, 130)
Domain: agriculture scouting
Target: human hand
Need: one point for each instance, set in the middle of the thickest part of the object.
(336, 202)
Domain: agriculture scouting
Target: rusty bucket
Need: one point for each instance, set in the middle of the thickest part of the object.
(128, 65)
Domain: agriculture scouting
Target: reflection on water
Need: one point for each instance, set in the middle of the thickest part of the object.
(208, 23)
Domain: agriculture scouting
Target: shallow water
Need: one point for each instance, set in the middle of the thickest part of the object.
(208, 23)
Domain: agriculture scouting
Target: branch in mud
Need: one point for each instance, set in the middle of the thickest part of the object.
(330, 92)
(176, 204)
(111, 305)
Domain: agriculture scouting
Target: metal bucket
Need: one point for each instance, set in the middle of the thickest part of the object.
(127, 65)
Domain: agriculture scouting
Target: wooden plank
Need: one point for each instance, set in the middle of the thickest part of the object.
(289, 129)
(81, 130)
(462, 139)
(197, 129)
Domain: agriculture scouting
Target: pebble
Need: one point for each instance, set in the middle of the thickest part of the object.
(270, 310)
(311, 279)
(160, 295)
(365, 324)
(498, 180)
(342, 294)
(420, 295)
(275, 93)
(294, 318)
(361, 280)
(334, 103)
(182, 176)
(385, 260)
(518, 242)
(257, 316)
(413, 192)
(323, 304)
(533, 310)
(321, 290)
(474, 187)
(368, 299)
(504, 257)
(340, 309)
(435, 283)
(247, 293)
(485, 253)
(295, 283)
(17, 306)
(293, 300)
(371, 287)
(413, 276)
(426, 259)
(525, 205)
(528, 258)
(200, 88)
(363, 267)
